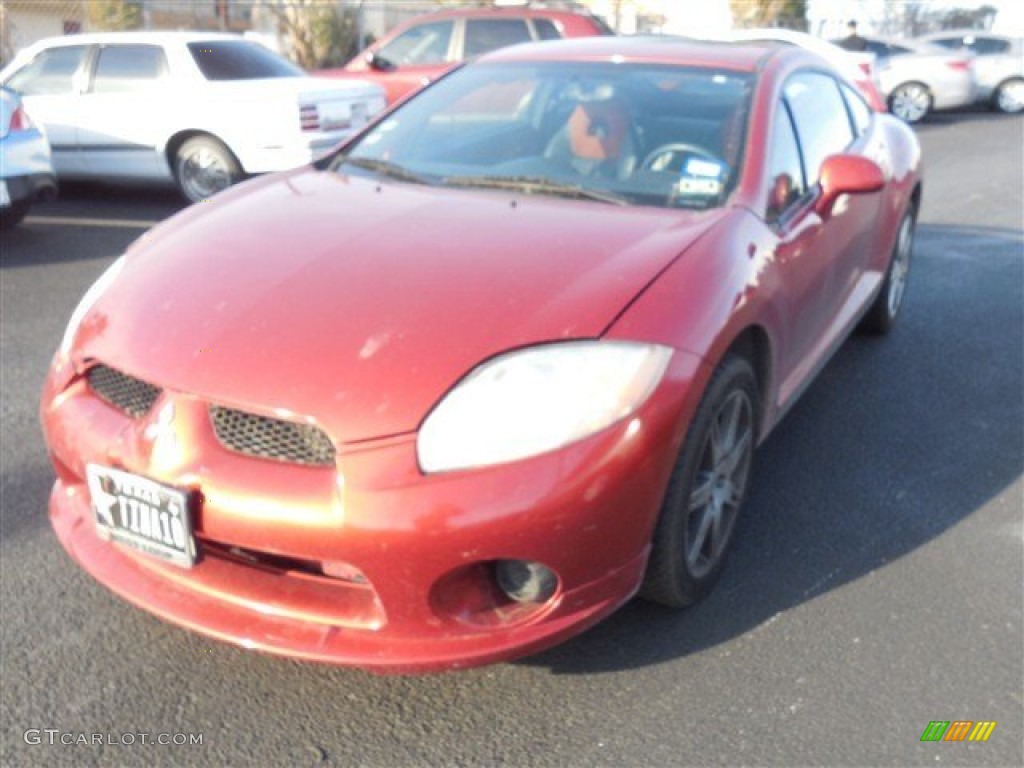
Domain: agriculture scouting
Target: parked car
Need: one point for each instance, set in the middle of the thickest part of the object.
(26, 174)
(998, 64)
(427, 46)
(917, 78)
(857, 67)
(200, 109)
(462, 388)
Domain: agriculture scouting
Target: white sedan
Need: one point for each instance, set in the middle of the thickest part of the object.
(200, 109)
(917, 78)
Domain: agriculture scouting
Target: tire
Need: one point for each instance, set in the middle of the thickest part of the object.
(12, 216)
(1009, 97)
(695, 527)
(911, 102)
(882, 314)
(203, 166)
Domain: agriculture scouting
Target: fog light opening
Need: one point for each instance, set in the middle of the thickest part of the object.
(525, 581)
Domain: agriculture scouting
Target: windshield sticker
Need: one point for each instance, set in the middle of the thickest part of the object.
(701, 177)
(691, 186)
(705, 168)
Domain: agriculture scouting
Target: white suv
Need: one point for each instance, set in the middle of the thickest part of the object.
(200, 109)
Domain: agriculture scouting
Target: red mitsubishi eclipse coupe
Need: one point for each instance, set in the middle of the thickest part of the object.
(465, 386)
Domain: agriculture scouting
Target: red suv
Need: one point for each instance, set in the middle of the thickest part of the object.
(424, 48)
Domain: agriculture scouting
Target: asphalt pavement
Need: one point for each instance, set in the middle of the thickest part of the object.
(876, 585)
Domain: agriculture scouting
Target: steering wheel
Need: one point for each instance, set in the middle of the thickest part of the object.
(661, 158)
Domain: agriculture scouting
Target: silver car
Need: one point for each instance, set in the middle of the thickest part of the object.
(917, 77)
(26, 172)
(998, 64)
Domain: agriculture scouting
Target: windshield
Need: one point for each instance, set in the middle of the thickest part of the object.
(630, 134)
(240, 60)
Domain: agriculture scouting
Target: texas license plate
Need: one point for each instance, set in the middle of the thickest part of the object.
(146, 515)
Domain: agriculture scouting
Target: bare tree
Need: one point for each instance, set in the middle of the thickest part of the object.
(317, 33)
(114, 15)
(767, 13)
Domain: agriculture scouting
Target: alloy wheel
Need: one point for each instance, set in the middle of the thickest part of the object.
(900, 265)
(203, 173)
(720, 483)
(911, 102)
(1010, 97)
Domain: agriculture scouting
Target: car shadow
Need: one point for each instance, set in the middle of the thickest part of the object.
(979, 113)
(896, 442)
(86, 219)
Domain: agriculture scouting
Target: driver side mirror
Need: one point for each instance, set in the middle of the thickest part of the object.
(377, 63)
(846, 175)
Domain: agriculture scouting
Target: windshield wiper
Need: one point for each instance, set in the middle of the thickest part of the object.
(535, 185)
(385, 168)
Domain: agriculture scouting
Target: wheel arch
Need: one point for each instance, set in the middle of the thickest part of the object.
(754, 345)
(175, 141)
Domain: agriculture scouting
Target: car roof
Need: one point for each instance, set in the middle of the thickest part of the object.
(967, 33)
(515, 11)
(663, 49)
(152, 38)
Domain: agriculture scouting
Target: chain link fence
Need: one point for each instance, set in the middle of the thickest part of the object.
(315, 33)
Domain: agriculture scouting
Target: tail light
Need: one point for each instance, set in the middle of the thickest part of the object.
(865, 67)
(20, 120)
(309, 117)
(961, 65)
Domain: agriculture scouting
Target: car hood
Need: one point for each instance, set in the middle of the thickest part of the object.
(359, 303)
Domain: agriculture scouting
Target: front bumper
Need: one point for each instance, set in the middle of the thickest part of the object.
(423, 543)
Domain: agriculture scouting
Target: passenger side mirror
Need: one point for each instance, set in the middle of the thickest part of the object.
(846, 175)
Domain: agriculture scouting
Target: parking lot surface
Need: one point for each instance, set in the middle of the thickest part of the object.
(876, 585)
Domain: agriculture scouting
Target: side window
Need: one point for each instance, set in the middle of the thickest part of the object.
(859, 111)
(483, 35)
(948, 42)
(546, 29)
(50, 73)
(819, 113)
(879, 49)
(785, 169)
(988, 45)
(128, 68)
(422, 45)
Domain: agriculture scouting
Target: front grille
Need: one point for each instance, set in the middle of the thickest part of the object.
(271, 438)
(128, 394)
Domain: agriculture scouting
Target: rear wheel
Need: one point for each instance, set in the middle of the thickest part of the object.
(911, 102)
(1009, 97)
(203, 167)
(881, 317)
(695, 528)
(13, 214)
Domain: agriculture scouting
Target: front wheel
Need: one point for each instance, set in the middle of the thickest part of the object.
(881, 317)
(911, 102)
(1009, 97)
(695, 528)
(203, 167)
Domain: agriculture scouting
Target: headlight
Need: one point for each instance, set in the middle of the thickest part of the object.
(535, 400)
(91, 297)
